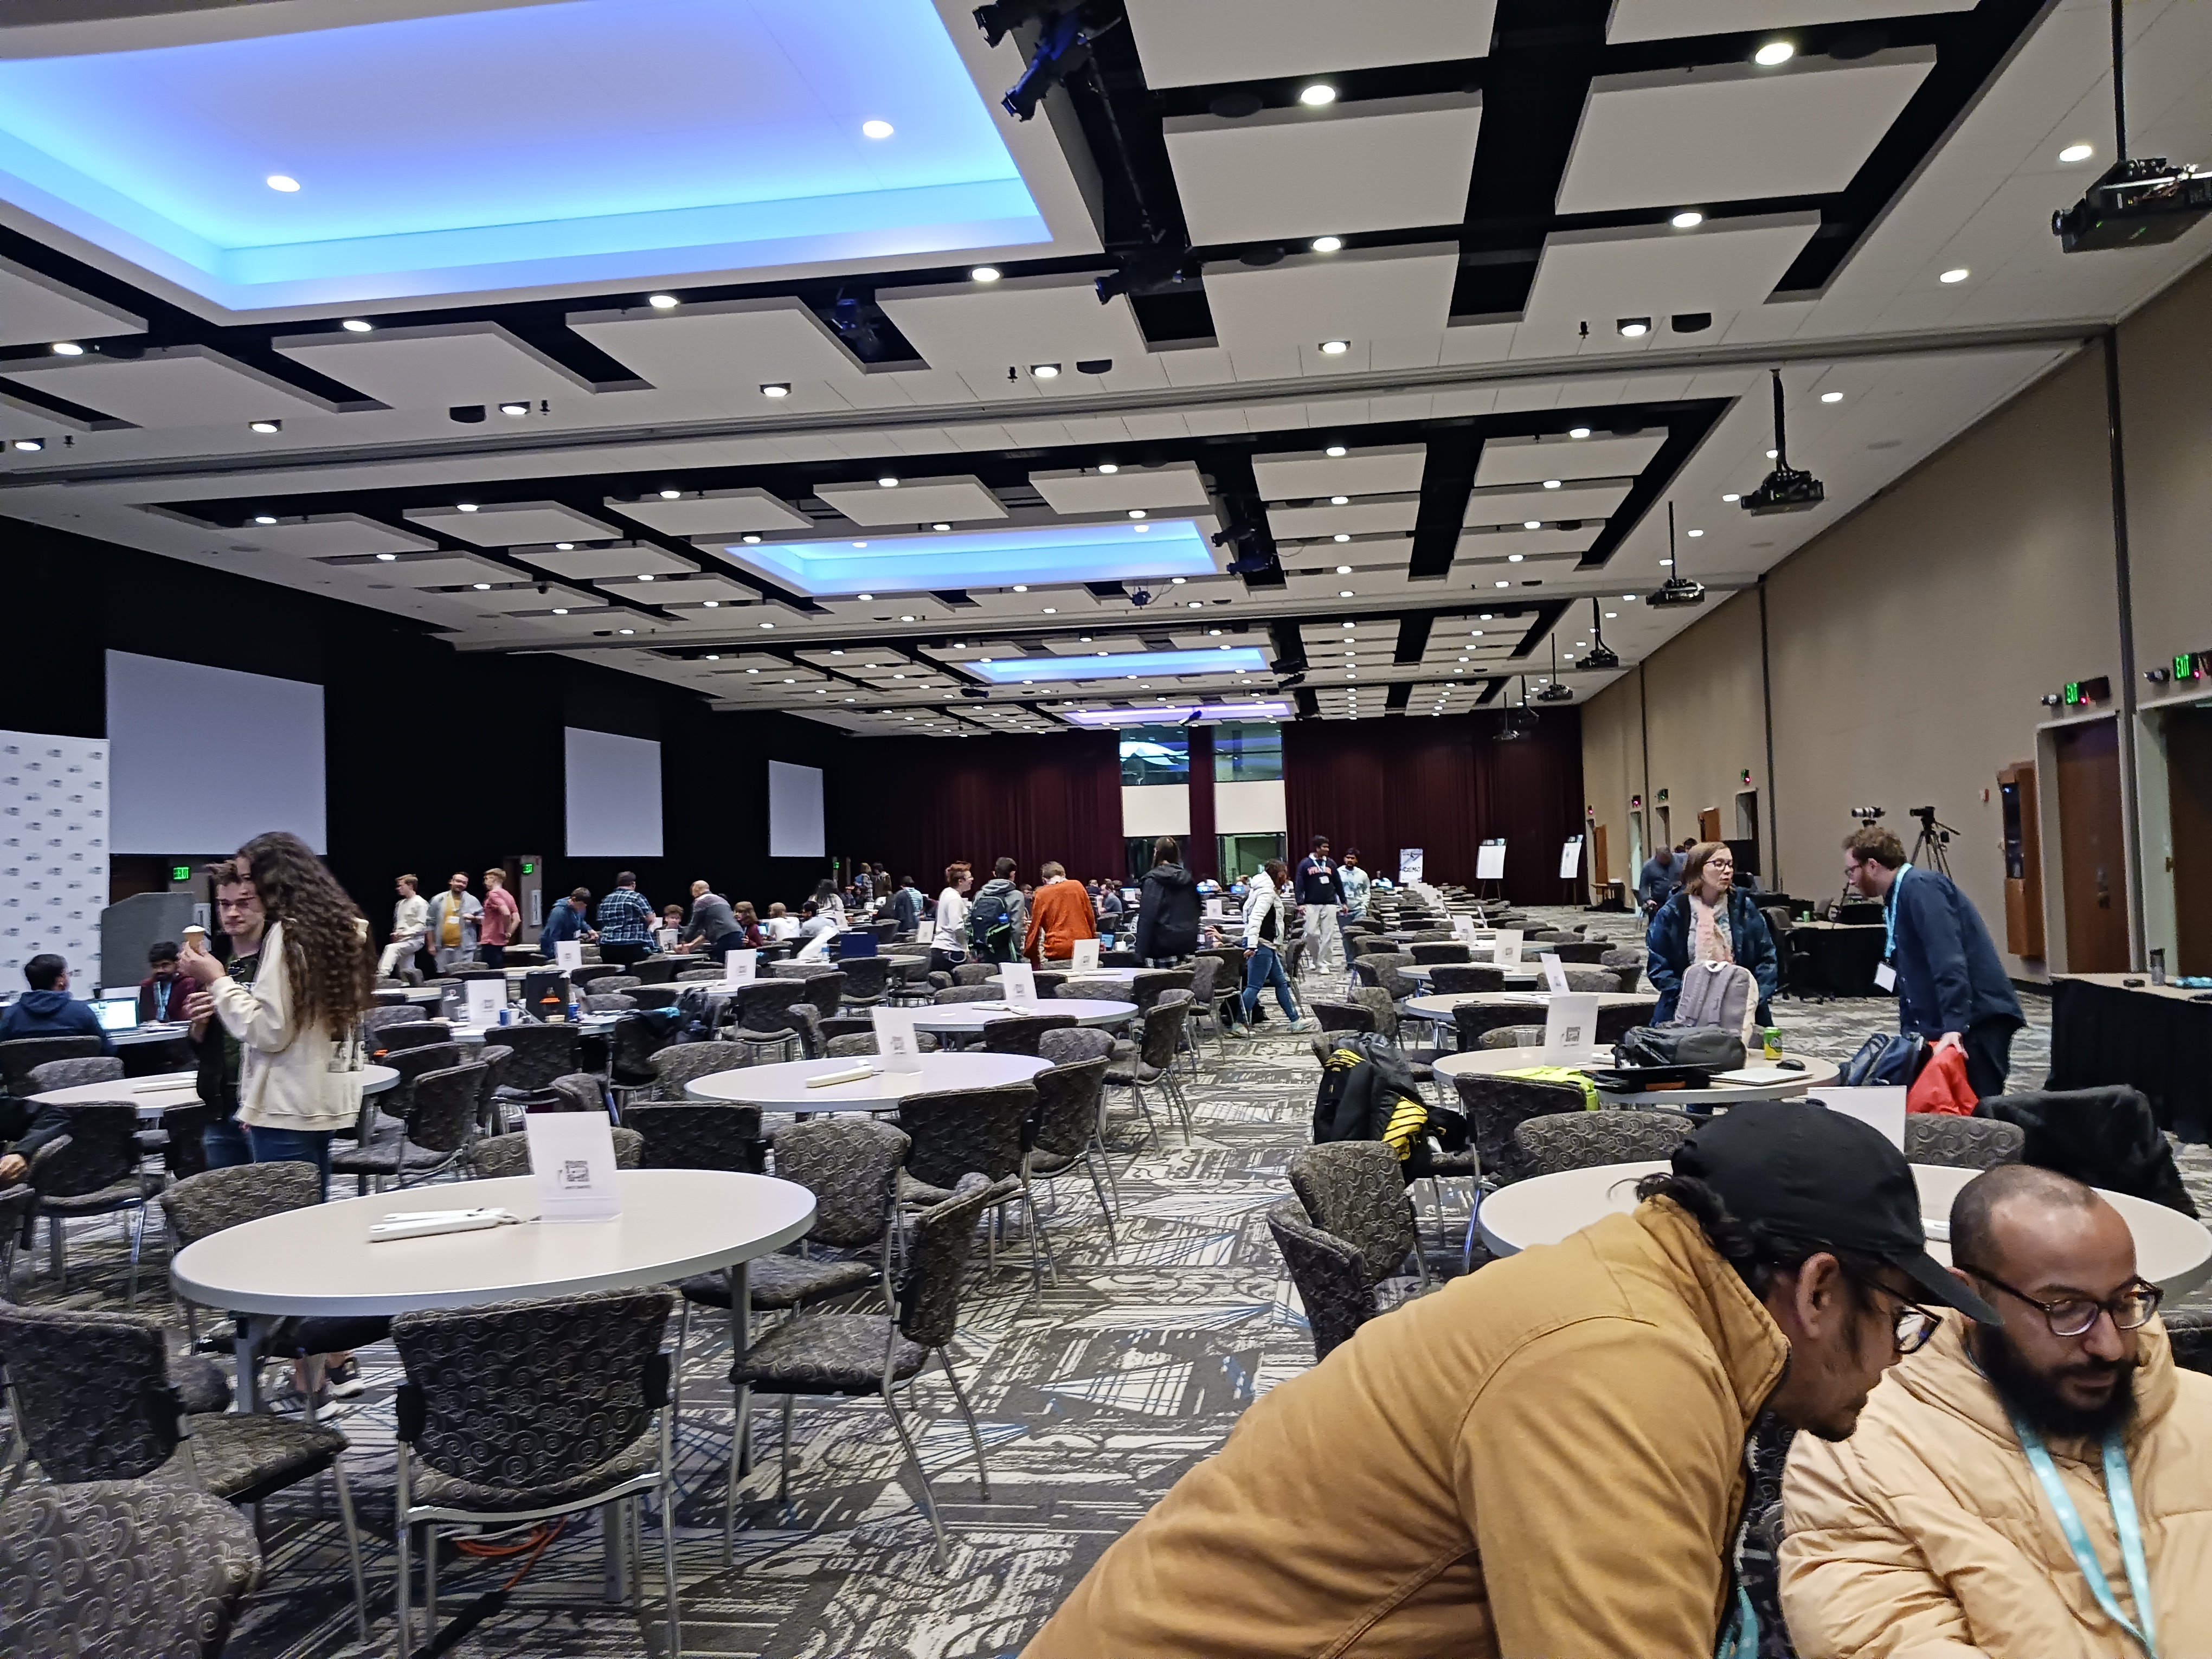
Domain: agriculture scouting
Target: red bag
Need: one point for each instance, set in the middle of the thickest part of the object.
(1942, 1085)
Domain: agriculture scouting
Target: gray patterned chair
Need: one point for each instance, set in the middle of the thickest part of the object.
(687, 1062)
(973, 991)
(1496, 1106)
(579, 1091)
(1511, 1037)
(957, 1132)
(1152, 1061)
(1452, 978)
(1961, 1143)
(523, 1410)
(1628, 964)
(509, 1155)
(92, 1400)
(75, 1073)
(1063, 1133)
(1583, 1140)
(767, 1015)
(2190, 1331)
(387, 1014)
(631, 1048)
(1439, 952)
(433, 1137)
(1603, 981)
(867, 980)
(973, 973)
(394, 1037)
(607, 985)
(1072, 1047)
(541, 1053)
(1355, 1190)
(611, 1002)
(97, 1172)
(1149, 986)
(1206, 994)
(1342, 1016)
(20, 1054)
(1017, 1034)
(1330, 1275)
(858, 1354)
(124, 1570)
(411, 1063)
(700, 1135)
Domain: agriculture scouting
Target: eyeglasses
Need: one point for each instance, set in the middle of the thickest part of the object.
(1915, 1324)
(2130, 1306)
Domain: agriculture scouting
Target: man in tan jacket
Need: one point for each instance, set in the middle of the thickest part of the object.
(1546, 1459)
(1933, 1535)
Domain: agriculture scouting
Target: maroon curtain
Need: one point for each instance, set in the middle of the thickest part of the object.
(918, 804)
(1442, 785)
(1200, 846)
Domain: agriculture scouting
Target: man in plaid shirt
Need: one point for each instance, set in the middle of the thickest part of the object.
(625, 923)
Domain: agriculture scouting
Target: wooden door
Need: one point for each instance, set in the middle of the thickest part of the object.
(1709, 824)
(2091, 860)
(2189, 789)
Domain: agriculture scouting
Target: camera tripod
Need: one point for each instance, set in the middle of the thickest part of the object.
(1927, 851)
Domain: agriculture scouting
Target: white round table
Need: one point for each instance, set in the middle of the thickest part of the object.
(586, 1025)
(2170, 1250)
(167, 1091)
(674, 1223)
(1118, 975)
(1489, 1062)
(968, 1018)
(1515, 978)
(138, 1034)
(783, 1088)
(1529, 1002)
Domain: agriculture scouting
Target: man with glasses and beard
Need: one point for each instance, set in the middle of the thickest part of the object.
(2041, 1491)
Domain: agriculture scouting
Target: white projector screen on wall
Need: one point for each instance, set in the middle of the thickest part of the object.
(202, 760)
(614, 795)
(794, 811)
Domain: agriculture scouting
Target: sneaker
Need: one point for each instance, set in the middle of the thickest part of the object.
(1304, 1025)
(1244, 1031)
(344, 1380)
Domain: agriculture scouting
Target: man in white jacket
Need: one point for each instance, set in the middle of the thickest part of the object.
(1264, 928)
(410, 920)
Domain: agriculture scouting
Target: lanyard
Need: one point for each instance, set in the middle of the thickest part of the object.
(1889, 915)
(1741, 1639)
(161, 998)
(2120, 1490)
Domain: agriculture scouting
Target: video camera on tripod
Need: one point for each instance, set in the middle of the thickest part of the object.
(1927, 851)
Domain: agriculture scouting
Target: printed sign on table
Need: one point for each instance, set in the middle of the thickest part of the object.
(487, 997)
(569, 954)
(1019, 980)
(739, 967)
(1555, 976)
(896, 1040)
(572, 1154)
(1087, 955)
(1570, 1026)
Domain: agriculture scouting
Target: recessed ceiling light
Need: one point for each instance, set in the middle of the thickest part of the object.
(672, 494)
(1334, 451)
(1532, 524)
(1697, 532)
(1773, 454)
(712, 657)
(1832, 397)
(1317, 95)
(1501, 583)
(940, 526)
(516, 410)
(1689, 219)
(1773, 52)
(1731, 496)
(357, 326)
(1630, 598)
(1340, 537)
(1177, 581)
(1633, 328)
(876, 129)
(2076, 153)
(1045, 371)
(1326, 244)
(1578, 432)
(1348, 624)
(1514, 558)
(1214, 633)
(265, 426)
(558, 609)
(662, 301)
(860, 544)
(1343, 570)
(864, 596)
(775, 389)
(1666, 561)
(625, 630)
(1610, 615)
(1136, 511)
(263, 518)
(282, 181)
(1334, 348)
(1021, 587)
(464, 507)
(30, 445)
(1344, 593)
(768, 624)
(1958, 274)
(387, 558)
(644, 579)
(984, 274)
(887, 483)
(68, 349)
(1551, 484)
(1050, 611)
(713, 605)
(483, 587)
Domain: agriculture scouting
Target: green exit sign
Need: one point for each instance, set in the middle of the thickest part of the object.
(180, 872)
(2073, 693)
(529, 867)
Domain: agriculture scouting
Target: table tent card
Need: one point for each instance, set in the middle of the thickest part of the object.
(896, 1040)
(1087, 955)
(739, 967)
(572, 1154)
(1505, 946)
(1570, 1027)
(1463, 927)
(569, 955)
(1884, 1109)
(1019, 980)
(487, 1000)
(1555, 976)
(925, 932)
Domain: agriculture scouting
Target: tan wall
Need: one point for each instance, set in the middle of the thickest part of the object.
(2166, 412)
(1707, 717)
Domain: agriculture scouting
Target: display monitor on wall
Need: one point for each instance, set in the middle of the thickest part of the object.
(613, 795)
(794, 811)
(202, 760)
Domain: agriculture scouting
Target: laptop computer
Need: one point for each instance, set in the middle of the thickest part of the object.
(116, 1014)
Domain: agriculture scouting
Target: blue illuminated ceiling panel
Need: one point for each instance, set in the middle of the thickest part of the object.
(1040, 556)
(1129, 664)
(513, 145)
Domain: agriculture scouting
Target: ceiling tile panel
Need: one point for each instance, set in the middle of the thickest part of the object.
(513, 523)
(332, 535)
(1088, 491)
(1015, 322)
(1358, 295)
(1389, 470)
(1672, 20)
(436, 366)
(1532, 460)
(169, 386)
(724, 343)
(37, 310)
(1194, 42)
(1588, 282)
(913, 500)
(713, 513)
(586, 564)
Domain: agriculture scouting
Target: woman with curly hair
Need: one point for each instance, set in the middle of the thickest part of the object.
(298, 1024)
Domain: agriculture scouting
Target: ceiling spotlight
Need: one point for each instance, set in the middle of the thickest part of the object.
(518, 410)
(876, 128)
(264, 426)
(464, 507)
(1514, 558)
(1326, 244)
(647, 578)
(357, 326)
(1501, 583)
(1045, 371)
(625, 630)
(1551, 484)
(1344, 593)
(1341, 537)
(1136, 511)
(1957, 274)
(68, 349)
(1334, 348)
(864, 596)
(558, 609)
(1177, 581)
(483, 587)
(1731, 496)
(752, 541)
(258, 518)
(940, 526)
(1694, 533)
(1334, 451)
(388, 558)
(768, 624)
(984, 274)
(671, 495)
(1689, 219)
(1339, 500)
(713, 605)
(2073, 153)
(283, 182)
(887, 483)
(1832, 397)
(662, 301)
(1021, 587)
(1343, 570)
(712, 657)
(1532, 524)
(1773, 52)
(1633, 328)
(1578, 432)
(1317, 95)
(775, 389)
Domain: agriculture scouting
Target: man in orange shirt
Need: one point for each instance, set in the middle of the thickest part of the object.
(1061, 913)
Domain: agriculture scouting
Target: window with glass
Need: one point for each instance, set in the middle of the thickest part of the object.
(1247, 751)
(1154, 754)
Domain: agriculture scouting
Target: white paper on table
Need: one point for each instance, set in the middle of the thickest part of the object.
(568, 953)
(1085, 960)
(924, 932)
(1214, 912)
(486, 998)
(1019, 980)
(1464, 927)
(739, 967)
(1555, 977)
(572, 1154)
(1883, 1109)
(1570, 1027)
(1505, 946)
(896, 1040)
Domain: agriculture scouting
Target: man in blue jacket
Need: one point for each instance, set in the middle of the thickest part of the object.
(1951, 987)
(47, 1009)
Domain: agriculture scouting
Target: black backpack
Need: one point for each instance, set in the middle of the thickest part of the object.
(1886, 1058)
(1368, 1093)
(991, 924)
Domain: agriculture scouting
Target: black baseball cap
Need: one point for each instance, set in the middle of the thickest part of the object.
(1819, 1176)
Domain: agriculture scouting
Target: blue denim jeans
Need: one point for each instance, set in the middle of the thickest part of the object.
(227, 1144)
(1264, 967)
(292, 1146)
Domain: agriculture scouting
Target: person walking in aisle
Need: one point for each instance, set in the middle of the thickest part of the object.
(994, 919)
(455, 917)
(907, 906)
(948, 938)
(410, 917)
(1264, 928)
(501, 920)
(1357, 885)
(625, 920)
(1320, 895)
(240, 924)
(1167, 911)
(1060, 916)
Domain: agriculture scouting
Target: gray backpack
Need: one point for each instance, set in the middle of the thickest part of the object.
(1718, 994)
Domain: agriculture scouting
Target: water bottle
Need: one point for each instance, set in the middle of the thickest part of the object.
(571, 1009)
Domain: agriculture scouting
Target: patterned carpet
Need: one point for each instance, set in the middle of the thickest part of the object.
(1094, 1398)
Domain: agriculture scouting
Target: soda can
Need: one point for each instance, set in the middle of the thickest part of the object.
(1771, 1038)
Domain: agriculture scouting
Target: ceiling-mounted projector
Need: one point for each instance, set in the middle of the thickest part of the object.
(1602, 658)
(1785, 490)
(1675, 590)
(1556, 692)
(2140, 202)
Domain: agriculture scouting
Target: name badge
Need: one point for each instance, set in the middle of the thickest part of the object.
(1885, 977)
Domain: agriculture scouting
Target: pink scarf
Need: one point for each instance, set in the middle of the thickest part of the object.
(1709, 940)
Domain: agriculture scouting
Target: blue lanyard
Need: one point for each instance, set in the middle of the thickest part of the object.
(1889, 915)
(2120, 1490)
(1740, 1640)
